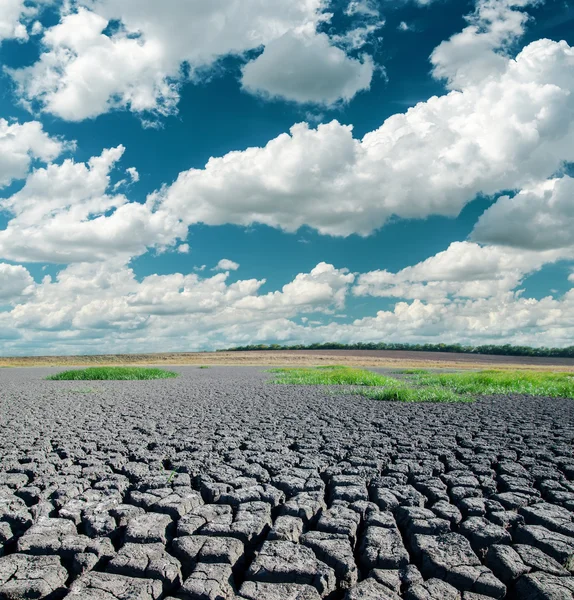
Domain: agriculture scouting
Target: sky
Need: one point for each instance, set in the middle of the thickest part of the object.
(191, 175)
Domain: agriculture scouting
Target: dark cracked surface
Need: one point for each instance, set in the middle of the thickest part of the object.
(218, 485)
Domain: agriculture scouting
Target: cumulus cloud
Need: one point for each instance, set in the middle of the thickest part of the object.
(15, 281)
(20, 144)
(83, 72)
(505, 133)
(103, 307)
(15, 15)
(537, 218)
(307, 69)
(463, 270)
(108, 296)
(324, 285)
(11, 26)
(226, 265)
(474, 54)
(87, 69)
(64, 214)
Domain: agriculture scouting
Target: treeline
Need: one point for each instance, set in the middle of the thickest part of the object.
(505, 350)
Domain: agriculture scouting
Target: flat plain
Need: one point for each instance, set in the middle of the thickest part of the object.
(219, 485)
(354, 358)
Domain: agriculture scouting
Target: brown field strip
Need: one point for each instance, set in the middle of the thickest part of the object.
(295, 358)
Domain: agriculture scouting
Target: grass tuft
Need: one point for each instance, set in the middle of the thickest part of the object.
(411, 372)
(113, 374)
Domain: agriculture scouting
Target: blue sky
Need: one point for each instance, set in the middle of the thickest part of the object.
(192, 176)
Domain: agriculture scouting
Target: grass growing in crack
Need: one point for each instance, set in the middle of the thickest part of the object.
(555, 385)
(113, 374)
(203, 367)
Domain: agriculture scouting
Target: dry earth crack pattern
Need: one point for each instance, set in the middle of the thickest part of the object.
(218, 485)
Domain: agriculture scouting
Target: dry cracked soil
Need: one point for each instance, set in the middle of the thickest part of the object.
(219, 485)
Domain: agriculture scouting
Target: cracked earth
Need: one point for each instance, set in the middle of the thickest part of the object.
(219, 485)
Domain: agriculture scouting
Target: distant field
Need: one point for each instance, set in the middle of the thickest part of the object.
(357, 358)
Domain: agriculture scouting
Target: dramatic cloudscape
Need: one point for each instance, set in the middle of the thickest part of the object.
(190, 175)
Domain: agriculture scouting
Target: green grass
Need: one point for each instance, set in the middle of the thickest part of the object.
(113, 374)
(411, 372)
(203, 367)
(555, 385)
(330, 375)
(365, 383)
(422, 386)
(403, 393)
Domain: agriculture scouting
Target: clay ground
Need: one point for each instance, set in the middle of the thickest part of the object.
(219, 485)
(358, 358)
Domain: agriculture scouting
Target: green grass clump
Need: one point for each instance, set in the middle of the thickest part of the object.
(113, 374)
(203, 367)
(555, 385)
(409, 394)
(412, 372)
(365, 383)
(335, 375)
(423, 386)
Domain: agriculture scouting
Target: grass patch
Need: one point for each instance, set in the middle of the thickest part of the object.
(330, 375)
(365, 383)
(203, 367)
(554, 385)
(403, 393)
(113, 374)
(423, 386)
(411, 372)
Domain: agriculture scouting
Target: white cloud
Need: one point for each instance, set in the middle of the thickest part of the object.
(505, 133)
(538, 218)
(11, 26)
(183, 248)
(474, 54)
(367, 8)
(63, 214)
(14, 282)
(15, 16)
(102, 307)
(323, 286)
(88, 297)
(307, 68)
(84, 72)
(133, 173)
(226, 265)
(20, 144)
(464, 270)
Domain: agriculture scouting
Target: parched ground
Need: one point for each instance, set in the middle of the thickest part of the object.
(219, 485)
(358, 358)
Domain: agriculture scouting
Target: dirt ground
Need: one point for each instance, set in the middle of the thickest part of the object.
(357, 358)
